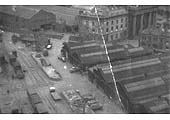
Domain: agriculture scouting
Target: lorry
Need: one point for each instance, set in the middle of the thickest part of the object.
(18, 72)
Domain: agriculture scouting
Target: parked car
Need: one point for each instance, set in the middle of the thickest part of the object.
(54, 94)
(94, 105)
(63, 59)
(75, 69)
(49, 46)
(88, 97)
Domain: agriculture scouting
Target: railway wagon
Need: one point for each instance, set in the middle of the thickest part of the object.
(36, 102)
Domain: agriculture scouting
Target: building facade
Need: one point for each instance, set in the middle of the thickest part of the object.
(155, 38)
(140, 18)
(113, 21)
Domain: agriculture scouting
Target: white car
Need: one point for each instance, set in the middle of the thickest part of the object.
(49, 46)
(54, 94)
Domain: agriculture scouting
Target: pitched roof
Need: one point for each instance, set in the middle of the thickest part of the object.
(19, 11)
(62, 13)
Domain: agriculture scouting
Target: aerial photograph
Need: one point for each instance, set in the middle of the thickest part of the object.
(84, 59)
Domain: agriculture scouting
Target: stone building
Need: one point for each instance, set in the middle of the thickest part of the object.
(155, 38)
(140, 18)
(113, 21)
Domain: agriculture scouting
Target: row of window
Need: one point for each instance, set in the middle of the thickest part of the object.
(117, 21)
(117, 27)
(107, 23)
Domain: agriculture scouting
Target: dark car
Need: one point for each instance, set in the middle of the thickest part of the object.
(94, 105)
(75, 69)
(63, 59)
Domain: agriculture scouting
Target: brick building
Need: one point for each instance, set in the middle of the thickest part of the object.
(113, 22)
(16, 17)
(64, 15)
(155, 38)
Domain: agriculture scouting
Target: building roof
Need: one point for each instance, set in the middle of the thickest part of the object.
(62, 13)
(155, 31)
(129, 69)
(140, 90)
(104, 11)
(19, 11)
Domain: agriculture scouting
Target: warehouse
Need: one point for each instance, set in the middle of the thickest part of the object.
(42, 20)
(147, 75)
(137, 94)
(23, 17)
(92, 53)
(15, 16)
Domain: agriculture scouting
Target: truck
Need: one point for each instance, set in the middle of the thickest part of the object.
(18, 72)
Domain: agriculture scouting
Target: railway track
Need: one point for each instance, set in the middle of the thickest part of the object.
(35, 78)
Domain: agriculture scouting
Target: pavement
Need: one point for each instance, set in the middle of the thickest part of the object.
(35, 78)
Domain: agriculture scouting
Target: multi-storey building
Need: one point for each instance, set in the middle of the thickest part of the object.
(140, 18)
(113, 21)
(155, 38)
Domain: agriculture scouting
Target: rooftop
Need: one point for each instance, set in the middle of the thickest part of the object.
(103, 11)
(63, 14)
(156, 31)
(20, 11)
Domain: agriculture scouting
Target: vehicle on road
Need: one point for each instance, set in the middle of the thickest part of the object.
(94, 104)
(54, 94)
(49, 46)
(18, 72)
(63, 59)
(75, 69)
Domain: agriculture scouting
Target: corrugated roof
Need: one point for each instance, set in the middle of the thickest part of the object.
(20, 11)
(102, 52)
(140, 85)
(132, 65)
(84, 46)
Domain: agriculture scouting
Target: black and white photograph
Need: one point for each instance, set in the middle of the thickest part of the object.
(84, 59)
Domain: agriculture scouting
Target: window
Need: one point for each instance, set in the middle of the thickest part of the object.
(126, 25)
(107, 23)
(121, 20)
(107, 29)
(116, 36)
(112, 22)
(121, 26)
(117, 27)
(93, 23)
(111, 37)
(112, 28)
(117, 21)
(126, 19)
